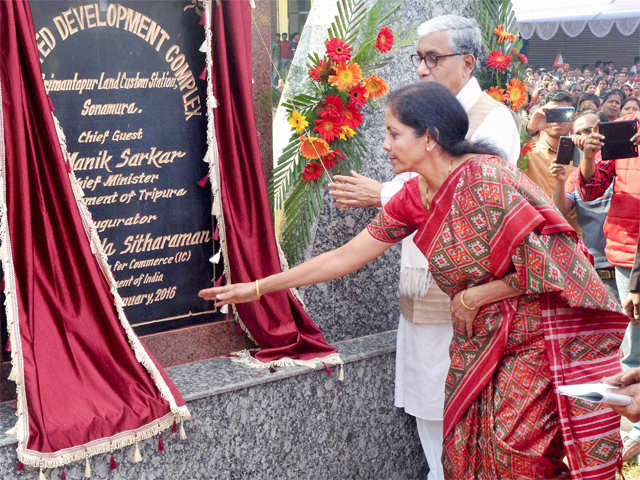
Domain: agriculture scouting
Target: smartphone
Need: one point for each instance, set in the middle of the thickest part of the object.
(617, 141)
(565, 153)
(559, 114)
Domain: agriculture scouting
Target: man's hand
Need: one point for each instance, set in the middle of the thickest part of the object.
(631, 411)
(636, 139)
(558, 171)
(632, 307)
(537, 121)
(356, 191)
(593, 143)
(579, 141)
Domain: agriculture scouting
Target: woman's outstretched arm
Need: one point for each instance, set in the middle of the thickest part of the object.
(359, 251)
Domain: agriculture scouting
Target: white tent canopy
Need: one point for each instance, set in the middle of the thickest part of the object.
(545, 17)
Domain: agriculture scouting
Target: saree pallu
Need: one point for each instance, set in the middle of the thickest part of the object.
(503, 416)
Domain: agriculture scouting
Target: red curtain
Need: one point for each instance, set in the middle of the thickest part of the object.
(79, 378)
(277, 322)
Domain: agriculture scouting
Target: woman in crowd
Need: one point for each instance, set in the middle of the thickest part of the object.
(630, 105)
(523, 295)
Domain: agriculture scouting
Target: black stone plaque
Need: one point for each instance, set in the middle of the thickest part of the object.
(124, 81)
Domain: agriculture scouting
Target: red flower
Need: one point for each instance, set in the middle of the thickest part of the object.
(332, 104)
(384, 42)
(523, 58)
(338, 50)
(331, 159)
(328, 125)
(352, 117)
(358, 95)
(320, 71)
(499, 60)
(312, 172)
(526, 148)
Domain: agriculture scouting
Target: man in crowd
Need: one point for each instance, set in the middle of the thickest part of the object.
(545, 150)
(590, 215)
(621, 231)
(284, 48)
(447, 51)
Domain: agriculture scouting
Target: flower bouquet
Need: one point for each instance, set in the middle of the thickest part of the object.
(326, 118)
(504, 71)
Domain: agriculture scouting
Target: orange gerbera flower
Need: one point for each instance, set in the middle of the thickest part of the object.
(313, 147)
(517, 93)
(347, 76)
(338, 50)
(498, 60)
(376, 87)
(312, 171)
(496, 93)
(384, 42)
(502, 34)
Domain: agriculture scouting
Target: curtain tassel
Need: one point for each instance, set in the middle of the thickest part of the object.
(203, 20)
(203, 181)
(20, 467)
(203, 75)
(326, 367)
(63, 476)
(112, 463)
(41, 476)
(160, 443)
(137, 456)
(183, 434)
(13, 375)
(341, 373)
(87, 467)
(13, 430)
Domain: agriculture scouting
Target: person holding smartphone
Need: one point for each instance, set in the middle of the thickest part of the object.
(555, 119)
(592, 214)
(621, 232)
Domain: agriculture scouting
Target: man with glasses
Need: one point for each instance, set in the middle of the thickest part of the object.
(447, 51)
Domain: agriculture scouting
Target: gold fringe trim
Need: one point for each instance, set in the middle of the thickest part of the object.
(103, 445)
(243, 357)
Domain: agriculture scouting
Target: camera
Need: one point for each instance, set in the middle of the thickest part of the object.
(559, 114)
(567, 153)
(617, 139)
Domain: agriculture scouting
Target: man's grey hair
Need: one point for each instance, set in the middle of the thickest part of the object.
(463, 33)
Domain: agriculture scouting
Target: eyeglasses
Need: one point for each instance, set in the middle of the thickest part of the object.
(431, 60)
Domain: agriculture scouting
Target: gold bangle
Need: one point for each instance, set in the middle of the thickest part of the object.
(257, 289)
(462, 301)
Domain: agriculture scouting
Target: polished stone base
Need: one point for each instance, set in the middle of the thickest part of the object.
(291, 424)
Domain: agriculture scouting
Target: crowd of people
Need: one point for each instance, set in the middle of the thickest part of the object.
(500, 301)
(591, 86)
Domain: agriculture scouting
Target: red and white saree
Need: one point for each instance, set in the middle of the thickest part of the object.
(503, 415)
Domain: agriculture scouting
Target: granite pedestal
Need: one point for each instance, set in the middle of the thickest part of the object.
(294, 423)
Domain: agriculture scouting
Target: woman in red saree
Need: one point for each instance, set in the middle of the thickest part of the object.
(530, 311)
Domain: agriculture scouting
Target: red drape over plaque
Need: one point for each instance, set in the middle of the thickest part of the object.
(278, 322)
(85, 383)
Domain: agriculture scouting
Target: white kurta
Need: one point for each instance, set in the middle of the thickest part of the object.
(422, 354)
